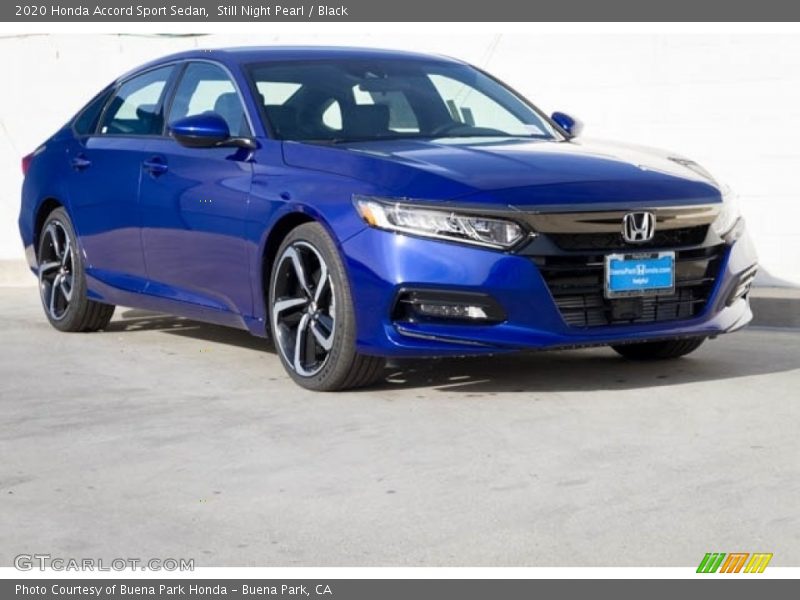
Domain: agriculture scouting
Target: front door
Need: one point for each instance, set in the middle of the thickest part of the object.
(194, 202)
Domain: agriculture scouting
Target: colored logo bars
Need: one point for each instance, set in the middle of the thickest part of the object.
(733, 563)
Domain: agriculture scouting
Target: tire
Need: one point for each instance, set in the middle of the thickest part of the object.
(659, 350)
(311, 315)
(62, 279)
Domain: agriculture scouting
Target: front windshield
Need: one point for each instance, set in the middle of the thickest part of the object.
(337, 101)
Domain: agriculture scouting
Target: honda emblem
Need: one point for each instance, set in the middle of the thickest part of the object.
(638, 227)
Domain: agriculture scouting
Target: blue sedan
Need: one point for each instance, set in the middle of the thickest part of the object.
(354, 205)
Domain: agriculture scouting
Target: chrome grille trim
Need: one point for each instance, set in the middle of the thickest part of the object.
(672, 217)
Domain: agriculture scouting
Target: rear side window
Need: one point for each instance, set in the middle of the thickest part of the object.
(136, 107)
(86, 121)
(207, 88)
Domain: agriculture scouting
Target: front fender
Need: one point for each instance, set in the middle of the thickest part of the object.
(278, 192)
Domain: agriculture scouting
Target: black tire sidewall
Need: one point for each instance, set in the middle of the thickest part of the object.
(661, 350)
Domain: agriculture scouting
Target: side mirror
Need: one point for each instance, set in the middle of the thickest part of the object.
(571, 125)
(207, 130)
(200, 131)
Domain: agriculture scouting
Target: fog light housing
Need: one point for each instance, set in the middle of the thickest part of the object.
(447, 306)
(743, 285)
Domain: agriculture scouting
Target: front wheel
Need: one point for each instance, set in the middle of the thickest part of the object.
(659, 350)
(312, 317)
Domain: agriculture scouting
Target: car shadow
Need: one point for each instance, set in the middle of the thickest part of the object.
(584, 370)
(135, 319)
(747, 353)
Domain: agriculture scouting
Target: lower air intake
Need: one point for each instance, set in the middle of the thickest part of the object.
(576, 283)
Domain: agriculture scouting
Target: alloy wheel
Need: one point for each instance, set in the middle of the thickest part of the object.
(303, 308)
(56, 270)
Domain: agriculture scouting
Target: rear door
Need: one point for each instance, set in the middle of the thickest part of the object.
(194, 201)
(106, 166)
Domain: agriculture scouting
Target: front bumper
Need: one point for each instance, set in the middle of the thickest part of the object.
(381, 264)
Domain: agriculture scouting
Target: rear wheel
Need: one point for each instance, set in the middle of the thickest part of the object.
(659, 350)
(312, 317)
(62, 282)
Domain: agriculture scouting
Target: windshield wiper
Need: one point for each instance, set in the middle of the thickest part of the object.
(353, 140)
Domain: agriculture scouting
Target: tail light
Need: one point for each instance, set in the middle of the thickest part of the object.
(26, 162)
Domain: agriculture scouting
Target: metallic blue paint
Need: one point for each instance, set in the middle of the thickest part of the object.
(380, 263)
(566, 122)
(203, 130)
(187, 230)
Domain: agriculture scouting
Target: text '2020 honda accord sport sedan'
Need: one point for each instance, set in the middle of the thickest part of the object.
(357, 204)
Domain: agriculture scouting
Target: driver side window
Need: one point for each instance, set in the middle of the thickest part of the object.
(205, 87)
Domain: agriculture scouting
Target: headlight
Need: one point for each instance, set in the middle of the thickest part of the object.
(729, 224)
(436, 223)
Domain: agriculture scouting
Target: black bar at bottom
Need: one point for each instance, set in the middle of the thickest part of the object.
(734, 587)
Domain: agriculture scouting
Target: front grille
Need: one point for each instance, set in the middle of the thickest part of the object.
(665, 238)
(577, 282)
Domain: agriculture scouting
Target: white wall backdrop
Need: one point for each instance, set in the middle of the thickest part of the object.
(731, 102)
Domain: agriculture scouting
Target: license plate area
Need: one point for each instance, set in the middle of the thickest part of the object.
(633, 275)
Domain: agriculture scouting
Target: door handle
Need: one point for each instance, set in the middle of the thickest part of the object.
(155, 166)
(80, 162)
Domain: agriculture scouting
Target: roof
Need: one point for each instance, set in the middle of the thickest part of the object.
(254, 53)
(249, 54)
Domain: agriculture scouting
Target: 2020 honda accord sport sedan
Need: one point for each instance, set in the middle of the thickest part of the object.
(357, 204)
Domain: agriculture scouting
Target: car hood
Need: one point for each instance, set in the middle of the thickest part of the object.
(514, 172)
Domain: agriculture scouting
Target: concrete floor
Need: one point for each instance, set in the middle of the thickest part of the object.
(167, 438)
